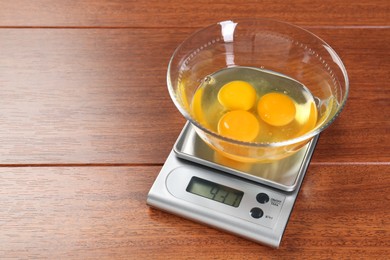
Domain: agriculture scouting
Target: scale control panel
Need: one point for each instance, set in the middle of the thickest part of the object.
(230, 196)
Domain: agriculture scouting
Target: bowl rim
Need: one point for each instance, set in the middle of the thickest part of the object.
(299, 139)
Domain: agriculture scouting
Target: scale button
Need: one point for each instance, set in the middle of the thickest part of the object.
(256, 212)
(262, 198)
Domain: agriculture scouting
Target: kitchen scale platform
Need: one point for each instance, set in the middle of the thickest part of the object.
(251, 200)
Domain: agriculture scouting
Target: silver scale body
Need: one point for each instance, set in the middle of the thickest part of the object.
(280, 181)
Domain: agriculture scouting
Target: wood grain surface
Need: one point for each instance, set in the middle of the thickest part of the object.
(87, 122)
(188, 13)
(100, 212)
(66, 99)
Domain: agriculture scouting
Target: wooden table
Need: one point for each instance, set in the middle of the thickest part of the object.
(87, 122)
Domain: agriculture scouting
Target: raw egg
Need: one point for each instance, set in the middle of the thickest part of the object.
(276, 109)
(237, 95)
(240, 125)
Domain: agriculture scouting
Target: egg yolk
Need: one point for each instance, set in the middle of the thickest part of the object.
(240, 125)
(237, 95)
(276, 109)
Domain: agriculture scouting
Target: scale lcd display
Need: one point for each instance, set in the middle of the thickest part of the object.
(215, 191)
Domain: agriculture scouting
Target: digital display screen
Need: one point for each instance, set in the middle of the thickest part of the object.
(215, 191)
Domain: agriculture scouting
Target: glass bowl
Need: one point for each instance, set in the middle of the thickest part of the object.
(268, 45)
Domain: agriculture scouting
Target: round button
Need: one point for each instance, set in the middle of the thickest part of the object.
(256, 213)
(262, 198)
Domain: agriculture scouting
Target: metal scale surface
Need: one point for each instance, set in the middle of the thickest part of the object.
(251, 200)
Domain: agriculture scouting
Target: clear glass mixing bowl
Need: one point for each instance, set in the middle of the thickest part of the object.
(261, 43)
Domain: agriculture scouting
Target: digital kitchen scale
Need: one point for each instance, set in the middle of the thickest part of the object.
(251, 200)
